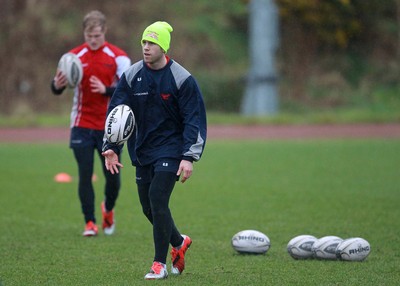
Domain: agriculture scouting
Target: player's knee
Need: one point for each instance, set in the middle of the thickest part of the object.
(147, 213)
(161, 212)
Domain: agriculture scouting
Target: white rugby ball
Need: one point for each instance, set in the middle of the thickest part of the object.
(119, 125)
(353, 249)
(300, 246)
(325, 247)
(71, 66)
(251, 241)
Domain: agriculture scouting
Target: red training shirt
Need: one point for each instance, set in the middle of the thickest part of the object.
(107, 63)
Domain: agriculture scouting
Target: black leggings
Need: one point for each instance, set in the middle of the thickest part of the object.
(154, 198)
(85, 159)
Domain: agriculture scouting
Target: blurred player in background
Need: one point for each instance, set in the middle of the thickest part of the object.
(170, 135)
(103, 65)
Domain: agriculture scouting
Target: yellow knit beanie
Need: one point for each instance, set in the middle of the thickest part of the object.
(158, 33)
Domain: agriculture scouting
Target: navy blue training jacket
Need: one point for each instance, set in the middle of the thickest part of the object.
(169, 112)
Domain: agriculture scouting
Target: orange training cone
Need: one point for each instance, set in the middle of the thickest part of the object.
(63, 178)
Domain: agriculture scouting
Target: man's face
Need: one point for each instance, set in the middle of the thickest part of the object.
(95, 38)
(153, 55)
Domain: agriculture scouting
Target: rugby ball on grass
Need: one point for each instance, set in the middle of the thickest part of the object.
(71, 66)
(251, 241)
(353, 249)
(325, 247)
(119, 125)
(300, 246)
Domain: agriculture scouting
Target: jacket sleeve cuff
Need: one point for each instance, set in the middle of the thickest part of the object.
(188, 158)
(54, 90)
(116, 148)
(109, 91)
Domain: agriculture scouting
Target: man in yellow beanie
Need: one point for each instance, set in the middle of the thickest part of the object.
(171, 131)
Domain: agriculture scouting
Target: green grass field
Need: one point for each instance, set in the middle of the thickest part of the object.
(282, 188)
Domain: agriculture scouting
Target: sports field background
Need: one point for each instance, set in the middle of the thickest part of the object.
(345, 186)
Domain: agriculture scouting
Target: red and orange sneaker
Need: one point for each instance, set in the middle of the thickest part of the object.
(157, 271)
(178, 255)
(108, 220)
(90, 229)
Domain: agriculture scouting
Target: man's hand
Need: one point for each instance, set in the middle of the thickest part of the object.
(186, 169)
(111, 161)
(60, 80)
(96, 85)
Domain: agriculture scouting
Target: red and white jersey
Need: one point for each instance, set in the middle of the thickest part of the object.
(107, 63)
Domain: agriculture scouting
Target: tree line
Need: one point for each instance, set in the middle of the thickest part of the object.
(327, 48)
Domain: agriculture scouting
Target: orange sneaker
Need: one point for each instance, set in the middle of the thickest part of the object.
(90, 229)
(108, 220)
(178, 255)
(157, 271)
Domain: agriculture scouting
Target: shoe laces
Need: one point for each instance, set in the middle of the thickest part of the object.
(90, 225)
(108, 217)
(175, 255)
(157, 267)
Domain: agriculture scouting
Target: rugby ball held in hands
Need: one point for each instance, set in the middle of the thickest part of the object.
(119, 125)
(71, 66)
(251, 241)
(325, 247)
(353, 249)
(300, 246)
